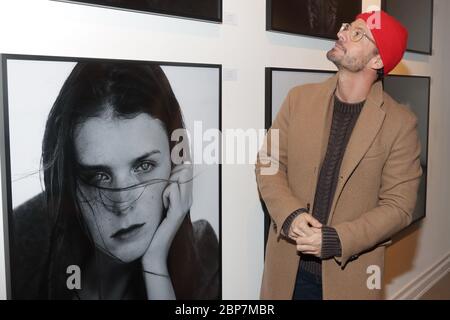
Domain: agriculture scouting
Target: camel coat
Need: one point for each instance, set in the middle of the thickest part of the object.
(375, 194)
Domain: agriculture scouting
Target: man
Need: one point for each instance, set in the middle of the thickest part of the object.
(348, 171)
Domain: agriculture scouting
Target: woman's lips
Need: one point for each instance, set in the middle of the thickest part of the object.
(126, 233)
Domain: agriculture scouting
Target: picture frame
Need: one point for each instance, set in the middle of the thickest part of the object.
(202, 10)
(47, 80)
(313, 18)
(415, 92)
(417, 17)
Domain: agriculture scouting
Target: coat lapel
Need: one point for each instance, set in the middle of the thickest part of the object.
(364, 133)
(315, 129)
(320, 123)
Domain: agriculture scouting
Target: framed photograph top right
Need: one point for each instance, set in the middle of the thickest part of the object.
(414, 92)
(417, 17)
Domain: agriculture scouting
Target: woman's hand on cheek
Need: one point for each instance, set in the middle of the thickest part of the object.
(177, 200)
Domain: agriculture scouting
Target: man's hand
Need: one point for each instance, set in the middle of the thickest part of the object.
(311, 244)
(302, 226)
(306, 231)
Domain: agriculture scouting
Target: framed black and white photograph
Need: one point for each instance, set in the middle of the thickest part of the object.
(278, 83)
(108, 193)
(417, 17)
(206, 10)
(414, 92)
(315, 18)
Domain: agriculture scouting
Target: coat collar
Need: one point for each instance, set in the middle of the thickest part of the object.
(375, 94)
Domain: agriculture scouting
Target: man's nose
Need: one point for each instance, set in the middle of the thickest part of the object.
(341, 35)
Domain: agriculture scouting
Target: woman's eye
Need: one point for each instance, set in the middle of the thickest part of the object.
(99, 177)
(95, 178)
(144, 167)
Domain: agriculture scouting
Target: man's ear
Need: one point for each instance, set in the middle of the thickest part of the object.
(377, 63)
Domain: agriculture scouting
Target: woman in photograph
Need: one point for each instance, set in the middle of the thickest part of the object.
(113, 221)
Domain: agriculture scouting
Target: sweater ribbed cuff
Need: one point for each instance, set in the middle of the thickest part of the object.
(331, 244)
(287, 223)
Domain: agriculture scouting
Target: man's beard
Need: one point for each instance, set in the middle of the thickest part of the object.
(334, 59)
(348, 63)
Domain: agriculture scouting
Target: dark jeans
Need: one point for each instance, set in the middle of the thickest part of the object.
(308, 286)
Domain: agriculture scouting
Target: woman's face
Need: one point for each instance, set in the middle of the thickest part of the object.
(121, 153)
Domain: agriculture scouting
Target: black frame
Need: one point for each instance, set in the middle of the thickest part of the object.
(270, 27)
(425, 176)
(6, 182)
(216, 19)
(430, 49)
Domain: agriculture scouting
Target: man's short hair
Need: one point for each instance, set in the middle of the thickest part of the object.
(380, 74)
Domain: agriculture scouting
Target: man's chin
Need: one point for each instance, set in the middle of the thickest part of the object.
(331, 56)
(334, 59)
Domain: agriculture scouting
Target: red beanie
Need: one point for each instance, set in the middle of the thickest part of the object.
(390, 36)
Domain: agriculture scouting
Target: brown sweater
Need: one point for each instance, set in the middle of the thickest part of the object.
(345, 116)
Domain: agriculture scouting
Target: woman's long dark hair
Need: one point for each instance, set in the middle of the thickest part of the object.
(126, 89)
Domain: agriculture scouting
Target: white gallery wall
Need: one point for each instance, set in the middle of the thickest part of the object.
(244, 48)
